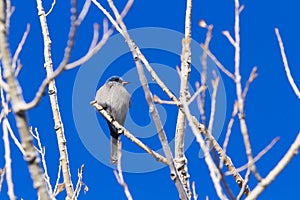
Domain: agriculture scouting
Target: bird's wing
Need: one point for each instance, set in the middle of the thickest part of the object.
(120, 99)
(102, 96)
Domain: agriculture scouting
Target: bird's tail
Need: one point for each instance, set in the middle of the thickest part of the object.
(114, 151)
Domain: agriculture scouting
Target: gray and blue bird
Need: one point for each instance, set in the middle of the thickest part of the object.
(115, 99)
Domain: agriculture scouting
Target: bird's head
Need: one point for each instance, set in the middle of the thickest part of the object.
(116, 79)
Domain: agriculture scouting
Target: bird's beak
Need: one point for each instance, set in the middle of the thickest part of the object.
(125, 82)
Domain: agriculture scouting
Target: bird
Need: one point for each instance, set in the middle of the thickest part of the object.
(115, 99)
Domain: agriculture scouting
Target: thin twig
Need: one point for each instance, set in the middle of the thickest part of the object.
(251, 78)
(7, 157)
(202, 97)
(158, 100)
(93, 48)
(228, 132)
(229, 37)
(83, 12)
(55, 191)
(195, 195)
(215, 84)
(79, 183)
(119, 175)
(20, 46)
(218, 63)
(257, 157)
(15, 139)
(198, 91)
(286, 65)
(52, 6)
(242, 191)
(41, 149)
(265, 182)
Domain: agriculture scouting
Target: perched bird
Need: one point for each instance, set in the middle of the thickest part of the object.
(115, 99)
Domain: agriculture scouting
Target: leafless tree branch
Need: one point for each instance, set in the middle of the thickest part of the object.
(58, 124)
(286, 65)
(119, 175)
(17, 102)
(265, 182)
(127, 134)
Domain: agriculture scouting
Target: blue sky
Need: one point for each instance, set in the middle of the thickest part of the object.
(272, 109)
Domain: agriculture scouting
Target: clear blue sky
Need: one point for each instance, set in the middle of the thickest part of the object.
(272, 109)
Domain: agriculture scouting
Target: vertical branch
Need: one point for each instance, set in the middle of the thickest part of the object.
(2, 173)
(119, 175)
(203, 59)
(58, 125)
(239, 91)
(79, 183)
(214, 172)
(7, 157)
(180, 160)
(42, 150)
(17, 101)
(3, 118)
(215, 84)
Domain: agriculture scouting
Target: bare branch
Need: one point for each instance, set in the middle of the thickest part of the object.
(7, 157)
(293, 150)
(251, 78)
(56, 190)
(15, 139)
(41, 149)
(215, 84)
(126, 133)
(217, 62)
(52, 6)
(195, 195)
(79, 183)
(228, 132)
(229, 37)
(240, 99)
(158, 100)
(92, 50)
(2, 173)
(257, 157)
(222, 156)
(286, 65)
(119, 175)
(202, 98)
(83, 12)
(242, 191)
(20, 46)
(198, 91)
(59, 128)
(180, 159)
(214, 172)
(17, 102)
